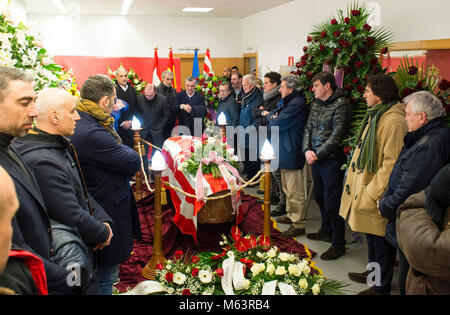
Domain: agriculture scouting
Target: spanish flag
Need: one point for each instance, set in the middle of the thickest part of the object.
(171, 67)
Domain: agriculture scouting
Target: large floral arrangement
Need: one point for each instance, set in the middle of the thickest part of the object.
(133, 79)
(349, 46)
(208, 86)
(201, 149)
(21, 47)
(411, 77)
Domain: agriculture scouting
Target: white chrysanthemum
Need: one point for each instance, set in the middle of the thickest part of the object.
(179, 278)
(205, 276)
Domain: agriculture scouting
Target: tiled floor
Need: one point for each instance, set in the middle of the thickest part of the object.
(355, 259)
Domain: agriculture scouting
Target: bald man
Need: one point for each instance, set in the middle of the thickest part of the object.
(126, 93)
(57, 170)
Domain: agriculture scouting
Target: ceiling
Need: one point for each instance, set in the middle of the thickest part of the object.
(222, 8)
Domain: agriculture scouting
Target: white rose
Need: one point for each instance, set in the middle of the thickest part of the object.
(280, 271)
(260, 255)
(284, 256)
(315, 289)
(230, 151)
(270, 269)
(306, 270)
(205, 276)
(257, 268)
(179, 278)
(170, 291)
(234, 158)
(272, 253)
(136, 81)
(303, 283)
(294, 270)
(246, 284)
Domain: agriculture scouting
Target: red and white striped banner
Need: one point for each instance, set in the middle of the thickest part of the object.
(207, 67)
(186, 208)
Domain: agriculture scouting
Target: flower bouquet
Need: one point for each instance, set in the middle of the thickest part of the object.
(249, 265)
(135, 81)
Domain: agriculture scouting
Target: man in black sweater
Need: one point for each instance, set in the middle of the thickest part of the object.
(166, 89)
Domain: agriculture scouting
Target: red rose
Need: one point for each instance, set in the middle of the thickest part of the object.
(373, 61)
(192, 149)
(309, 39)
(359, 64)
(220, 82)
(219, 272)
(347, 149)
(360, 89)
(298, 65)
(186, 292)
(337, 51)
(353, 57)
(309, 74)
(344, 43)
(293, 72)
(304, 57)
(355, 80)
(210, 75)
(194, 272)
(322, 47)
(299, 72)
(305, 48)
(367, 27)
(412, 70)
(444, 85)
(333, 22)
(178, 254)
(204, 137)
(419, 85)
(195, 259)
(215, 84)
(303, 63)
(362, 50)
(159, 266)
(355, 12)
(224, 140)
(337, 33)
(169, 277)
(346, 20)
(353, 30)
(323, 34)
(370, 41)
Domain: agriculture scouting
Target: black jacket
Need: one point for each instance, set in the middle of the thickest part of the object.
(197, 102)
(269, 105)
(327, 126)
(107, 166)
(130, 97)
(231, 110)
(425, 152)
(31, 224)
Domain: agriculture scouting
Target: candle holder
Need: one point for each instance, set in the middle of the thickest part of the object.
(138, 177)
(149, 271)
(267, 155)
(222, 123)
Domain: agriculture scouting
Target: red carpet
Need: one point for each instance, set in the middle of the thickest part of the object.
(209, 236)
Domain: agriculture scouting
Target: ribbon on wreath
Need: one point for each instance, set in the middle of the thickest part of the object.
(225, 170)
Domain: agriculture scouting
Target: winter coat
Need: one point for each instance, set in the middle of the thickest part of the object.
(31, 224)
(291, 118)
(362, 189)
(426, 246)
(130, 97)
(269, 104)
(249, 101)
(107, 166)
(425, 152)
(231, 110)
(327, 126)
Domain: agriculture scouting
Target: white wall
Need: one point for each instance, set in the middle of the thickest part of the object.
(281, 31)
(136, 36)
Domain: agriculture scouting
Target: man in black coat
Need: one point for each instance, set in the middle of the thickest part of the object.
(126, 93)
(426, 151)
(107, 164)
(152, 110)
(327, 126)
(190, 109)
(57, 170)
(166, 89)
(228, 105)
(31, 225)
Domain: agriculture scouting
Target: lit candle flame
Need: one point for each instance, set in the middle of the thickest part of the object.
(267, 152)
(135, 124)
(158, 162)
(222, 120)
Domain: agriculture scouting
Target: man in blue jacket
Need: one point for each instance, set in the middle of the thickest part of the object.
(291, 118)
(107, 164)
(247, 141)
(31, 224)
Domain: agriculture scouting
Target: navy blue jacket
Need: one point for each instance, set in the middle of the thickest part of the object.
(425, 152)
(249, 101)
(107, 166)
(291, 120)
(198, 106)
(31, 224)
(231, 110)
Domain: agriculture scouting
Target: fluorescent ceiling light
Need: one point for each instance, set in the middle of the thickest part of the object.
(126, 5)
(61, 7)
(190, 9)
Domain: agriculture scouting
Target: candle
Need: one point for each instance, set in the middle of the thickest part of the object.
(135, 124)
(267, 152)
(158, 162)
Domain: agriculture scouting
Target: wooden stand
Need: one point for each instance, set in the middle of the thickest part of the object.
(149, 271)
(267, 185)
(139, 177)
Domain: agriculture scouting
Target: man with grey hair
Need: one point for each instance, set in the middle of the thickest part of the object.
(125, 92)
(166, 89)
(426, 150)
(55, 164)
(107, 165)
(290, 119)
(252, 98)
(190, 107)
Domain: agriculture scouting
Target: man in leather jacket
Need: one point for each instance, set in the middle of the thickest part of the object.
(328, 124)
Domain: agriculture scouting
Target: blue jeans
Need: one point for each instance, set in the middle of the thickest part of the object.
(328, 182)
(107, 275)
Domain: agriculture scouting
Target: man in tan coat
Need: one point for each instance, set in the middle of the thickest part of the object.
(379, 143)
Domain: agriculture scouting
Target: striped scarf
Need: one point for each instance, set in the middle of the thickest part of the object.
(107, 121)
(367, 155)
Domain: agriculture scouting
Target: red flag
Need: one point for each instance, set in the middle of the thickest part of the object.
(156, 80)
(207, 67)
